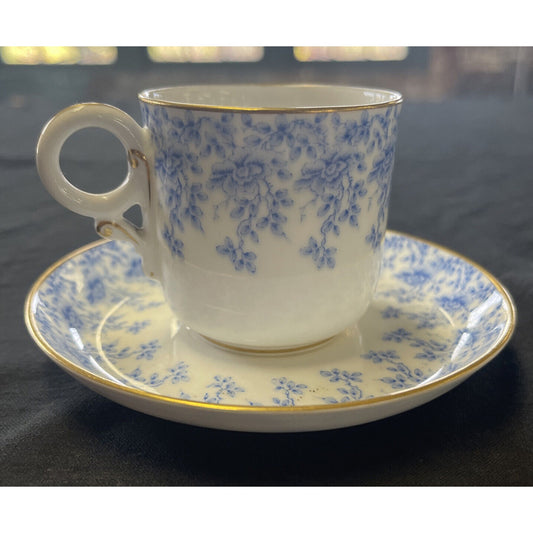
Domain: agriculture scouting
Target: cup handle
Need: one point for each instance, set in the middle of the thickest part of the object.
(108, 208)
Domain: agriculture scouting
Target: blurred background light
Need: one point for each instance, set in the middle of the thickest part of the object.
(205, 54)
(58, 55)
(350, 53)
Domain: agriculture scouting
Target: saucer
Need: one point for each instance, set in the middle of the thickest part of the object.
(436, 318)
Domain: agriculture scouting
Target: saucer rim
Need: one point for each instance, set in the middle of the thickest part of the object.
(457, 376)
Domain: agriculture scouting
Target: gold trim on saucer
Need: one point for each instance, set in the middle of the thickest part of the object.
(144, 97)
(118, 387)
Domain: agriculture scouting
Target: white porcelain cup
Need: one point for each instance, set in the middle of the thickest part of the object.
(264, 207)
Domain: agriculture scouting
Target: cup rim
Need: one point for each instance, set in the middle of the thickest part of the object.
(149, 96)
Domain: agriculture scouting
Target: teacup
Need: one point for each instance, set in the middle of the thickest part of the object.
(264, 207)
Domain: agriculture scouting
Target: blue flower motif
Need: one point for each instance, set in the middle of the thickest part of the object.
(415, 278)
(176, 165)
(350, 392)
(291, 390)
(255, 204)
(72, 318)
(423, 319)
(375, 237)
(179, 372)
(187, 130)
(321, 255)
(240, 259)
(398, 335)
(354, 133)
(175, 245)
(137, 375)
(153, 380)
(112, 352)
(326, 173)
(452, 304)
(138, 326)
(335, 375)
(391, 312)
(283, 163)
(147, 350)
(224, 387)
(135, 270)
(380, 356)
(403, 376)
(239, 178)
(338, 194)
(427, 353)
(95, 290)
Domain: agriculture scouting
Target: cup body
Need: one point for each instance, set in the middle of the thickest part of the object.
(269, 207)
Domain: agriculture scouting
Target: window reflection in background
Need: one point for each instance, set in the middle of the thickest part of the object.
(105, 55)
(58, 55)
(205, 54)
(350, 53)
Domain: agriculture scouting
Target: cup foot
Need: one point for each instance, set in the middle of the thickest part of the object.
(267, 350)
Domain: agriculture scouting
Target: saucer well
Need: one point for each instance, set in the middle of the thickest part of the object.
(436, 318)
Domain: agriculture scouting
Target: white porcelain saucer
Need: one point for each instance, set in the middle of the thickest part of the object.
(436, 319)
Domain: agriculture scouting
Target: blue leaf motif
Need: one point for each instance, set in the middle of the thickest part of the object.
(244, 229)
(238, 212)
(278, 218)
(263, 127)
(414, 278)
(222, 250)
(322, 211)
(96, 290)
(311, 152)
(291, 391)
(72, 318)
(311, 248)
(262, 223)
(252, 140)
(302, 183)
(135, 269)
(349, 391)
(276, 229)
(195, 211)
(295, 153)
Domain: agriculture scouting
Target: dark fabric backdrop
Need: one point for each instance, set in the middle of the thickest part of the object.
(463, 179)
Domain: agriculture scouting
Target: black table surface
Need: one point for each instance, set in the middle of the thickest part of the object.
(463, 179)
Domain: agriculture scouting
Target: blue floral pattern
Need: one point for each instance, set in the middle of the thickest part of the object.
(267, 173)
(433, 314)
(349, 391)
(289, 390)
(401, 376)
(223, 388)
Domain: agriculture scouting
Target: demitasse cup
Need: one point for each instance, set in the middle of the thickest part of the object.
(264, 207)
